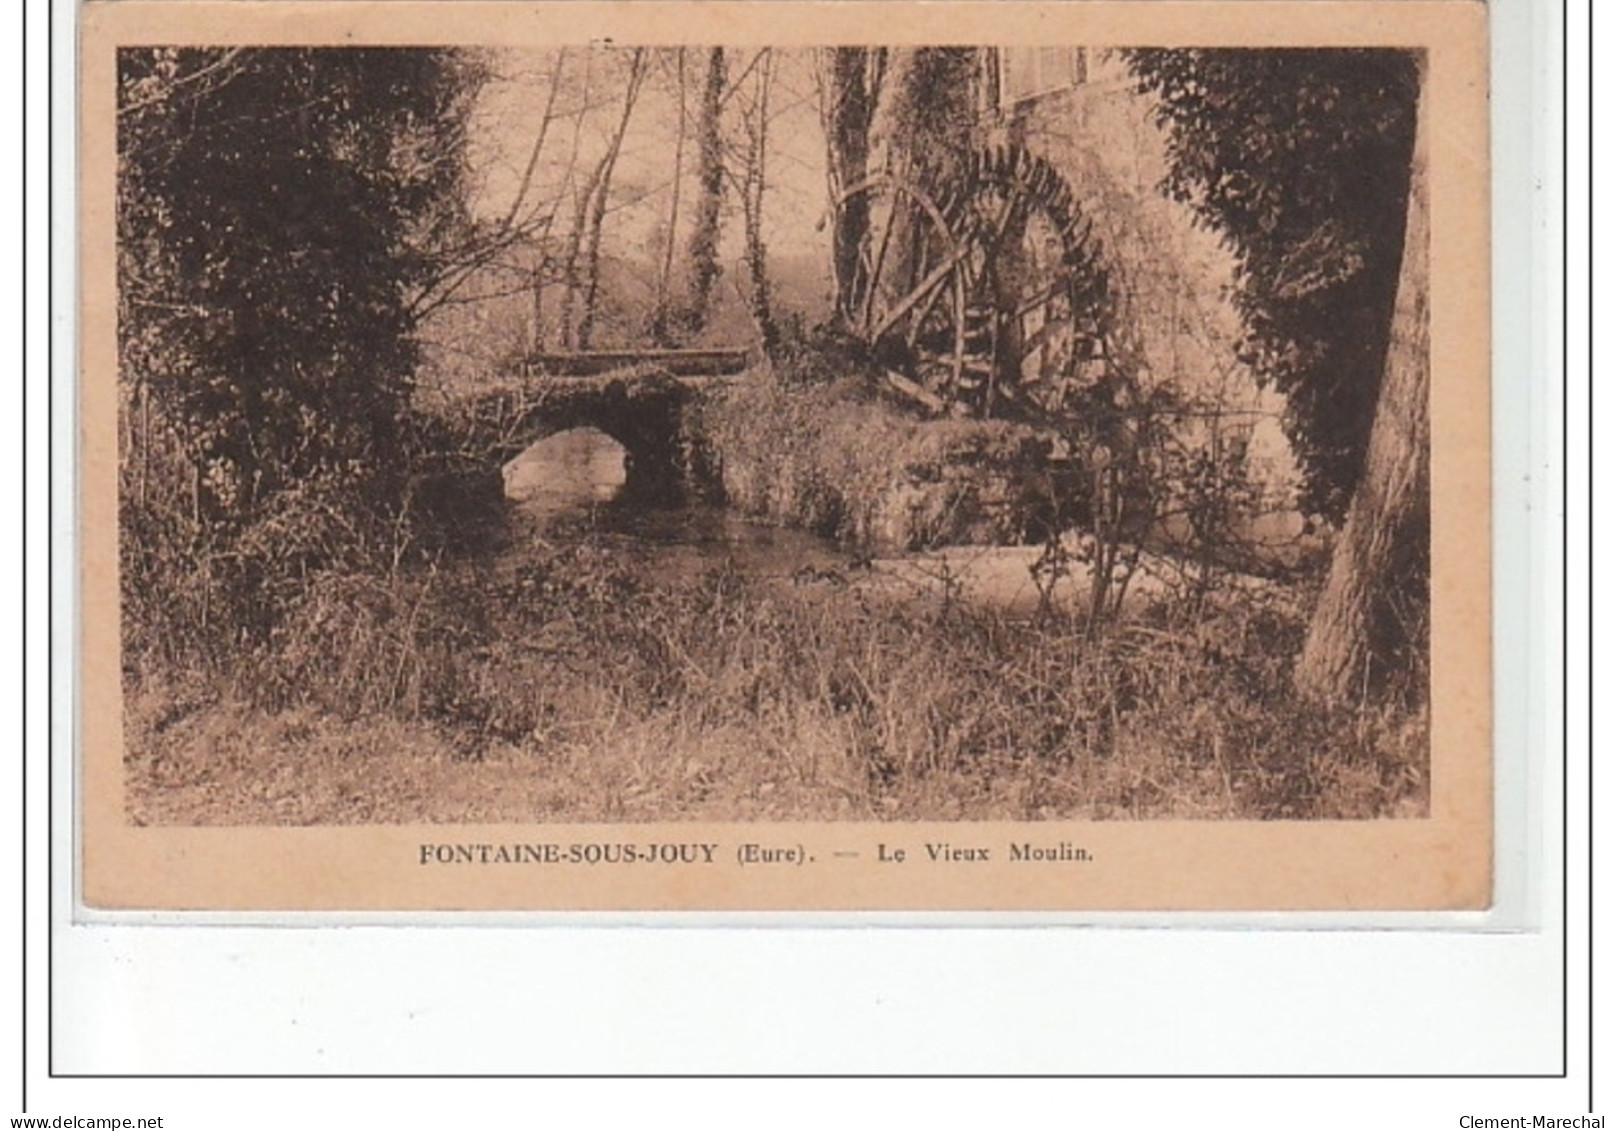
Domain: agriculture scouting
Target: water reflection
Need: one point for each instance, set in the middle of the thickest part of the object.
(567, 473)
(571, 486)
(573, 482)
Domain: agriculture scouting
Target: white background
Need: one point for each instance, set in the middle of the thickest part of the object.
(164, 999)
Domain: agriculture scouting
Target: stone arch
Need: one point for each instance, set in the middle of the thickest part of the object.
(641, 411)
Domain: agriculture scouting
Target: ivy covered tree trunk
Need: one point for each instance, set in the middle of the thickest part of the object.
(920, 130)
(853, 82)
(1372, 615)
(758, 300)
(661, 330)
(709, 204)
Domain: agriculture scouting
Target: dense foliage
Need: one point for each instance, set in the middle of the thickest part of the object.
(1299, 159)
(282, 215)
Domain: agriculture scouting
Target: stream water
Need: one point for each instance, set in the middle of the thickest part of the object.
(574, 481)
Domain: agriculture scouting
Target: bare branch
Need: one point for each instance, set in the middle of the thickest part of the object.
(167, 91)
(538, 143)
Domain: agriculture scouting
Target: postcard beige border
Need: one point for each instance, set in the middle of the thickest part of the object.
(1441, 862)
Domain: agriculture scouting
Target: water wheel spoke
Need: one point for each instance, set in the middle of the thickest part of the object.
(880, 260)
(917, 323)
(1011, 293)
(1045, 334)
(938, 275)
(1042, 297)
(959, 306)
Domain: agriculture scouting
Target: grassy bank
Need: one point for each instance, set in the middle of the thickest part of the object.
(833, 457)
(575, 688)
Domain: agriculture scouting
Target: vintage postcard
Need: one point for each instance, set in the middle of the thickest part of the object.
(785, 457)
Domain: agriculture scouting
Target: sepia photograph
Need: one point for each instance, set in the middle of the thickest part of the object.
(755, 434)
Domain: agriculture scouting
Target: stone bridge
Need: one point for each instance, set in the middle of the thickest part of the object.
(638, 399)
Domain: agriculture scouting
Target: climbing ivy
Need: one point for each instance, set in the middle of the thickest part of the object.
(281, 216)
(1299, 159)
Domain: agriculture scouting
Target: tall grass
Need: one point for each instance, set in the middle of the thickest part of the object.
(605, 696)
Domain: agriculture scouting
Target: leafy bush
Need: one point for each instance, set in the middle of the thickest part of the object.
(281, 213)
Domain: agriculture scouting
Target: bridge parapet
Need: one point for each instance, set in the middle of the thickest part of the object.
(684, 363)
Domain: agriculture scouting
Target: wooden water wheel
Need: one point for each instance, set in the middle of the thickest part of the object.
(988, 291)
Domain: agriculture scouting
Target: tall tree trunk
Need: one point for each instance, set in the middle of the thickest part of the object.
(661, 317)
(924, 115)
(890, 114)
(1373, 610)
(535, 329)
(602, 190)
(571, 280)
(535, 333)
(919, 130)
(848, 109)
(759, 300)
(708, 208)
(574, 235)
